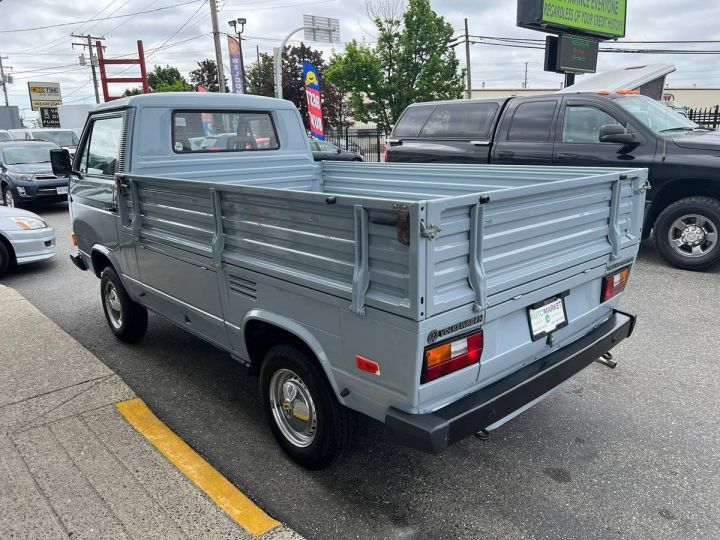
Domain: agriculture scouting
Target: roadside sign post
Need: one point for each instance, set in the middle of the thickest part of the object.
(44, 94)
(321, 29)
(580, 27)
(49, 117)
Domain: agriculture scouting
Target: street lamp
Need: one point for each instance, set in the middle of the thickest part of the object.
(234, 23)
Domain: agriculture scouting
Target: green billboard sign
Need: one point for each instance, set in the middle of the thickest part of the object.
(597, 18)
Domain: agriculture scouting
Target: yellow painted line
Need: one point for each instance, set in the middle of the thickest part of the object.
(246, 513)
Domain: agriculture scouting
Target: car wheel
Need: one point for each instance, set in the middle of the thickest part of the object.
(4, 259)
(305, 417)
(8, 199)
(128, 320)
(687, 233)
(357, 159)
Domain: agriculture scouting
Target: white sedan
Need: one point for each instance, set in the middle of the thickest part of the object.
(24, 238)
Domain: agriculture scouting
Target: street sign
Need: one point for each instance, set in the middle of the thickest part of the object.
(571, 54)
(49, 117)
(44, 94)
(602, 19)
(321, 29)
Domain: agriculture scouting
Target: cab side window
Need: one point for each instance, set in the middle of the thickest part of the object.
(532, 122)
(100, 156)
(582, 124)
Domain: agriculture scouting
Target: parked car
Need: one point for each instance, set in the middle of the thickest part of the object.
(5, 135)
(441, 300)
(322, 150)
(586, 129)
(24, 238)
(26, 174)
(65, 138)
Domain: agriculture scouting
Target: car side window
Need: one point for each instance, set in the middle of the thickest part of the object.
(326, 147)
(582, 124)
(101, 154)
(532, 122)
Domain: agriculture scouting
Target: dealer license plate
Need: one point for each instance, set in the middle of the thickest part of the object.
(62, 190)
(547, 316)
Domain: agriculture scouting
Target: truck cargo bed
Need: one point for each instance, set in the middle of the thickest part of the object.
(413, 240)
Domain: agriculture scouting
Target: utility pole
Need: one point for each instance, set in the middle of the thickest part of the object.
(525, 83)
(218, 50)
(2, 79)
(93, 58)
(468, 93)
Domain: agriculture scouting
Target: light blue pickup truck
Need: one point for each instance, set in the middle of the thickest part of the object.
(441, 300)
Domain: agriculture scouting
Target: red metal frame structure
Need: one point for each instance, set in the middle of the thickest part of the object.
(102, 62)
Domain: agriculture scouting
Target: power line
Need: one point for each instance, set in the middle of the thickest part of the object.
(101, 19)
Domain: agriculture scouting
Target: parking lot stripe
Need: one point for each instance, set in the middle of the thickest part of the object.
(238, 506)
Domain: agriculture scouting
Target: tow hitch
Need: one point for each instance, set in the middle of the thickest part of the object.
(607, 360)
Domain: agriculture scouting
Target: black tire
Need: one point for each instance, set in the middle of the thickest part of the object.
(334, 424)
(131, 323)
(7, 191)
(680, 257)
(5, 259)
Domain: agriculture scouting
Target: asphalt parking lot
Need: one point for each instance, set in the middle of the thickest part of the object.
(629, 453)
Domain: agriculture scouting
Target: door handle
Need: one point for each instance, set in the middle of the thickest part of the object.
(566, 156)
(505, 153)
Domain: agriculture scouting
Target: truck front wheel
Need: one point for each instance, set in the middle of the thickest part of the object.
(128, 320)
(687, 233)
(305, 417)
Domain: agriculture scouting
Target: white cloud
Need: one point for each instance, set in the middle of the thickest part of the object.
(39, 55)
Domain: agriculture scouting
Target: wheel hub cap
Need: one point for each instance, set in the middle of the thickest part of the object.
(693, 236)
(114, 308)
(293, 408)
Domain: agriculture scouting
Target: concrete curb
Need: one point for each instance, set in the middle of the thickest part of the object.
(70, 464)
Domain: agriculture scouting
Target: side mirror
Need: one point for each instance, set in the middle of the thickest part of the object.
(615, 133)
(61, 162)
(338, 151)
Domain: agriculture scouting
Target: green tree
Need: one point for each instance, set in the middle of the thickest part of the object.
(260, 76)
(167, 79)
(411, 62)
(206, 75)
(261, 81)
(163, 79)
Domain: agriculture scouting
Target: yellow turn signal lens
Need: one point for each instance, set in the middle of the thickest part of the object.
(73, 239)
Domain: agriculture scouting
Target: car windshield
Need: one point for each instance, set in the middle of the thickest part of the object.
(27, 153)
(5, 136)
(59, 137)
(656, 116)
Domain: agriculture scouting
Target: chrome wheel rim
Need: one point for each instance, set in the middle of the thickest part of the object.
(112, 303)
(293, 408)
(9, 199)
(693, 235)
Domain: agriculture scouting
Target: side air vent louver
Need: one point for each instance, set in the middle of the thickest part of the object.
(243, 287)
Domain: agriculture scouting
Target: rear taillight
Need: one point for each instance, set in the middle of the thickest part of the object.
(451, 356)
(614, 284)
(385, 156)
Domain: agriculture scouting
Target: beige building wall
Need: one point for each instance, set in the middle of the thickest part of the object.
(689, 97)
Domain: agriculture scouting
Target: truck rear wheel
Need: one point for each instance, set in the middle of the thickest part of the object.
(305, 417)
(687, 233)
(128, 320)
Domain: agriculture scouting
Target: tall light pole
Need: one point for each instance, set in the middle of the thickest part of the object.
(234, 23)
(218, 50)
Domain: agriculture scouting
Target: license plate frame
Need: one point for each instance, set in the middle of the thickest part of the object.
(541, 330)
(62, 190)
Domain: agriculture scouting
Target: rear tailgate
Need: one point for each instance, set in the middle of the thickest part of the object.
(529, 237)
(520, 247)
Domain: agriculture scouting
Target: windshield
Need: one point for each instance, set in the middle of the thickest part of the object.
(30, 153)
(61, 138)
(5, 136)
(658, 117)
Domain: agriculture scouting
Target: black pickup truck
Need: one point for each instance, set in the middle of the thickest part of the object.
(585, 129)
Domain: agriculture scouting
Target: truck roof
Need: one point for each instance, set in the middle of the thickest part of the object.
(189, 100)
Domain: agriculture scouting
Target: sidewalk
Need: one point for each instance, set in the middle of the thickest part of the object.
(70, 465)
